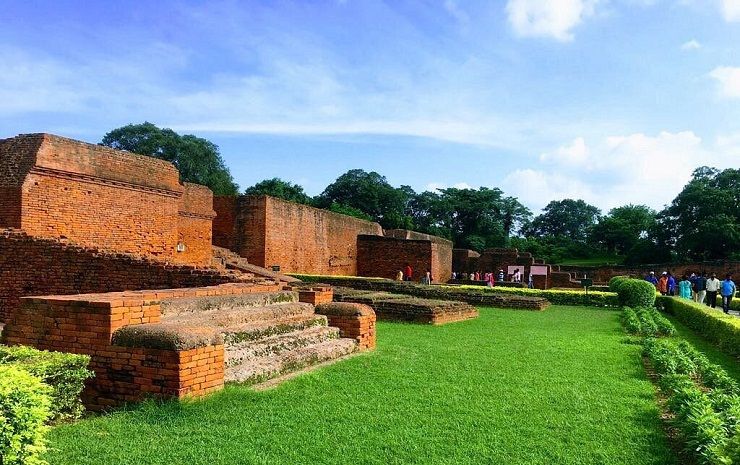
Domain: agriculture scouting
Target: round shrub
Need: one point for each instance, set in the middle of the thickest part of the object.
(636, 293)
(615, 282)
(24, 408)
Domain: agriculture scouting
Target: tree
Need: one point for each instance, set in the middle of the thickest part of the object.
(623, 227)
(568, 218)
(371, 194)
(197, 159)
(703, 221)
(276, 187)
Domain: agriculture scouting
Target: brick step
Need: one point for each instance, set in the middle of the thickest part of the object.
(238, 353)
(264, 368)
(201, 304)
(226, 320)
(255, 331)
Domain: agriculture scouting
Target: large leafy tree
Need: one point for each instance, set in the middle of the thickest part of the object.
(568, 218)
(703, 221)
(281, 189)
(369, 193)
(471, 218)
(623, 227)
(197, 159)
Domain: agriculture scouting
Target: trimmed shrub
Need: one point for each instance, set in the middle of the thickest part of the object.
(636, 293)
(24, 409)
(712, 324)
(646, 321)
(65, 373)
(616, 282)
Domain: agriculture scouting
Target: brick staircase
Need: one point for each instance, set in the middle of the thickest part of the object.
(265, 335)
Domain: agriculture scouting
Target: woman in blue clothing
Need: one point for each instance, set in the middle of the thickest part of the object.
(671, 284)
(728, 290)
(684, 288)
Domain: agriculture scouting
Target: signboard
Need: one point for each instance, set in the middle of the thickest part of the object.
(539, 270)
(276, 268)
(587, 283)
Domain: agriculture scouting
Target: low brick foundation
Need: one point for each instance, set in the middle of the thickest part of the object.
(86, 324)
(355, 321)
(316, 295)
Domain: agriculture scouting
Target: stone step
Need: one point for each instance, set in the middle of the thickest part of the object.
(240, 352)
(255, 331)
(186, 306)
(238, 317)
(260, 369)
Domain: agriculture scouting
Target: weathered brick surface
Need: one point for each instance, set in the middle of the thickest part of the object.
(316, 295)
(224, 224)
(85, 324)
(104, 198)
(355, 321)
(383, 257)
(465, 261)
(35, 266)
(298, 238)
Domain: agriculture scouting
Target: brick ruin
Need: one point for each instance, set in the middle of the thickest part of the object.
(302, 239)
(495, 259)
(107, 253)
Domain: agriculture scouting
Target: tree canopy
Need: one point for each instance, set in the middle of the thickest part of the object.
(197, 159)
(567, 218)
(276, 187)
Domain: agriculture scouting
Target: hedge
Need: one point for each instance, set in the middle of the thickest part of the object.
(24, 408)
(468, 293)
(635, 292)
(703, 398)
(712, 324)
(65, 373)
(646, 321)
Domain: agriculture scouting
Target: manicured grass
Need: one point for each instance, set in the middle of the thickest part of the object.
(512, 387)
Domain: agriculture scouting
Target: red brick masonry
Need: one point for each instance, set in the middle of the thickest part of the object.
(85, 324)
(355, 321)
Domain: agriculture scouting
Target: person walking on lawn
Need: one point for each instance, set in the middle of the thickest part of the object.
(713, 285)
(728, 291)
(684, 288)
(671, 284)
(663, 283)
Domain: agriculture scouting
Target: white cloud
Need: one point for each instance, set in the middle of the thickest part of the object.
(729, 80)
(552, 18)
(575, 153)
(692, 44)
(730, 10)
(635, 168)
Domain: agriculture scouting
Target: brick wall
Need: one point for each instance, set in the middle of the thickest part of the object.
(355, 321)
(35, 266)
(99, 197)
(465, 261)
(298, 238)
(383, 257)
(224, 224)
(194, 225)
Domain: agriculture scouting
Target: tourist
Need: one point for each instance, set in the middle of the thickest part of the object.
(700, 288)
(671, 284)
(408, 273)
(399, 275)
(454, 276)
(663, 283)
(427, 279)
(684, 288)
(501, 275)
(692, 280)
(713, 285)
(517, 278)
(472, 276)
(530, 281)
(652, 279)
(490, 279)
(728, 290)
(477, 275)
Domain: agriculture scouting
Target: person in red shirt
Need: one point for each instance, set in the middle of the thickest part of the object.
(408, 273)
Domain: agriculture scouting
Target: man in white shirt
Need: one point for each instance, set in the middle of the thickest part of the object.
(713, 285)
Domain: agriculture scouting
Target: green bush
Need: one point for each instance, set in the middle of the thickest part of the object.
(712, 324)
(65, 373)
(616, 282)
(636, 293)
(646, 321)
(631, 322)
(703, 398)
(24, 409)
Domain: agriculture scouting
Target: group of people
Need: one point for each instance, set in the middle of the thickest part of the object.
(407, 274)
(491, 278)
(697, 287)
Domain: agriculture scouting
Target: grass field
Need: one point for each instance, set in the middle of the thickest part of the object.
(594, 261)
(512, 387)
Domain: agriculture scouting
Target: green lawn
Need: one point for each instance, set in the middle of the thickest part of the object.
(512, 387)
(594, 261)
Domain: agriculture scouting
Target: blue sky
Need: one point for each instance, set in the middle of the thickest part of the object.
(612, 101)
